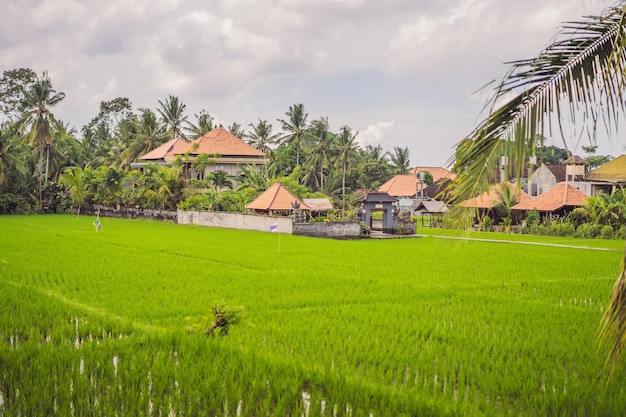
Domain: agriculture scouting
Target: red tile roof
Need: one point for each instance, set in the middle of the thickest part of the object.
(167, 151)
(401, 186)
(277, 197)
(437, 172)
(221, 142)
(491, 198)
(557, 197)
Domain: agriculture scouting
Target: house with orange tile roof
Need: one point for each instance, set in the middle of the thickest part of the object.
(559, 200)
(408, 186)
(486, 202)
(547, 176)
(227, 152)
(162, 155)
(276, 199)
(491, 198)
(438, 173)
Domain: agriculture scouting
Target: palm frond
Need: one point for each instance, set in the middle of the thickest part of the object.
(577, 80)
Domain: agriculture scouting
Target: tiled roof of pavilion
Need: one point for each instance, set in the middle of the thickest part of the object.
(277, 197)
(491, 198)
(557, 197)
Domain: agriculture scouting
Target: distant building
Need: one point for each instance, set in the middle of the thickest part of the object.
(226, 152)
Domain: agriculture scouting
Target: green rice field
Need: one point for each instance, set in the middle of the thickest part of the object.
(112, 323)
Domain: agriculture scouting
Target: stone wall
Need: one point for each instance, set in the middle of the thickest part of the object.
(335, 230)
(231, 220)
(129, 213)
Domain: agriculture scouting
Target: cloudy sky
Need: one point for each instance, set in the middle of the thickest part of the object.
(401, 72)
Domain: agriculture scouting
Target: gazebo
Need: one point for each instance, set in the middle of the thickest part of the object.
(277, 199)
(559, 200)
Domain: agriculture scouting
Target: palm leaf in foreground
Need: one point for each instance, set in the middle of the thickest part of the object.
(577, 81)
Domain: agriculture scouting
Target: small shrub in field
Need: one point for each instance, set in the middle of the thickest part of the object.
(224, 318)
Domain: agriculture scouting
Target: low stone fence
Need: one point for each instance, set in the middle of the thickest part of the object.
(130, 213)
(231, 220)
(335, 230)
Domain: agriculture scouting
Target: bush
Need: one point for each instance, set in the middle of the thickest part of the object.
(607, 232)
(532, 217)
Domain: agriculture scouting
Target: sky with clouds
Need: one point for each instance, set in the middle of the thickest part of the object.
(400, 72)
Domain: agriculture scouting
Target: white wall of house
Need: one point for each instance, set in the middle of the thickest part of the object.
(543, 178)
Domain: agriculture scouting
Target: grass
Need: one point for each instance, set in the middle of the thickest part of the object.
(403, 326)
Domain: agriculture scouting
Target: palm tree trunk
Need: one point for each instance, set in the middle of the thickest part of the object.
(47, 161)
(39, 174)
(343, 186)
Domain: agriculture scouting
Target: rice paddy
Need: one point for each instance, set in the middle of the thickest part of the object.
(111, 323)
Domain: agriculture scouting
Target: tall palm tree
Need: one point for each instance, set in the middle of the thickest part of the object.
(37, 118)
(294, 129)
(400, 160)
(261, 135)
(147, 134)
(580, 76)
(346, 156)
(204, 124)
(236, 129)
(172, 112)
(319, 131)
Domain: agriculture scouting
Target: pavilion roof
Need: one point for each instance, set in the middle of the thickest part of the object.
(557, 197)
(492, 198)
(277, 197)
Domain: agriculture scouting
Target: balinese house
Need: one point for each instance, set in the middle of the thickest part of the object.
(164, 154)
(486, 202)
(403, 186)
(437, 173)
(559, 200)
(608, 177)
(278, 200)
(408, 189)
(545, 177)
(226, 152)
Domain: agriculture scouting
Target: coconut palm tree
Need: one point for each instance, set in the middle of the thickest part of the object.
(204, 124)
(37, 118)
(400, 160)
(578, 79)
(147, 133)
(236, 129)
(346, 156)
(172, 113)
(261, 135)
(319, 131)
(294, 129)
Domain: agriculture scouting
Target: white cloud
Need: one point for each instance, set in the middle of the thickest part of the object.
(375, 134)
